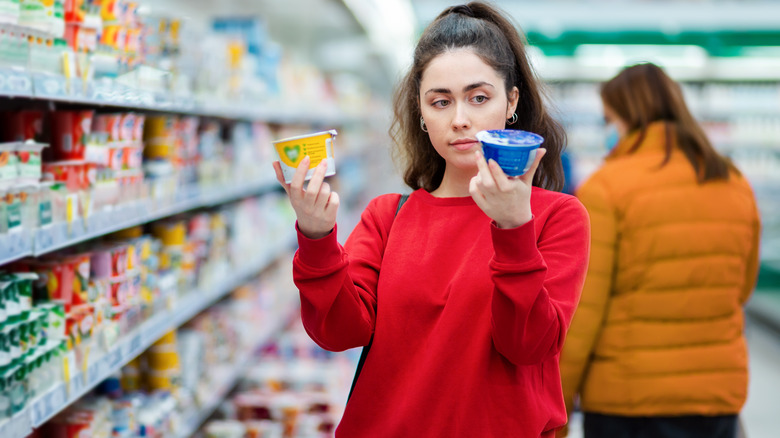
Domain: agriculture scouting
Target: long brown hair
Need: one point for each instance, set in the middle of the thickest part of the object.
(496, 40)
(642, 94)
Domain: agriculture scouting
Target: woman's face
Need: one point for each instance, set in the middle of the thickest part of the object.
(611, 117)
(461, 95)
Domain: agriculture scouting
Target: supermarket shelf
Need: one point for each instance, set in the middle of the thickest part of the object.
(61, 235)
(139, 212)
(63, 394)
(764, 306)
(14, 246)
(193, 420)
(18, 427)
(19, 83)
(596, 115)
(737, 69)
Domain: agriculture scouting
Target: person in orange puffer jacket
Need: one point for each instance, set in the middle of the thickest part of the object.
(657, 348)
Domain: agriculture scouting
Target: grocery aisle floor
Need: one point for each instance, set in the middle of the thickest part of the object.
(761, 415)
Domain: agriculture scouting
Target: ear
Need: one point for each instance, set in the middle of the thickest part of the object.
(511, 107)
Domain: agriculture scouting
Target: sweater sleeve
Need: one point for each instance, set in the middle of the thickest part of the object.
(590, 313)
(337, 287)
(537, 283)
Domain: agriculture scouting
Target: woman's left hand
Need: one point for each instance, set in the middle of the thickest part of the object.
(505, 200)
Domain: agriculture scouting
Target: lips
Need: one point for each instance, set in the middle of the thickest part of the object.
(464, 144)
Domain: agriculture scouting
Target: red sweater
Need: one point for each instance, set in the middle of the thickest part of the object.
(468, 319)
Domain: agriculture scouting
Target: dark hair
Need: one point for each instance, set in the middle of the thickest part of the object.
(496, 40)
(642, 94)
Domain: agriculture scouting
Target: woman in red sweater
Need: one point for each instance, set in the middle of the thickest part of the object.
(468, 291)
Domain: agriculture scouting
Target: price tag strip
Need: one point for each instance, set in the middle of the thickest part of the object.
(14, 246)
(15, 82)
(17, 426)
(76, 229)
(50, 86)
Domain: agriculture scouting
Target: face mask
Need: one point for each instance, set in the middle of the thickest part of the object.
(612, 137)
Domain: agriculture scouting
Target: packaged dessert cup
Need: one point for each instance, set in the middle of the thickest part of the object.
(29, 162)
(69, 133)
(9, 169)
(318, 146)
(513, 150)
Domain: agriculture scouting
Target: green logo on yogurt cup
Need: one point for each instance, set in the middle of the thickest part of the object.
(293, 152)
(318, 146)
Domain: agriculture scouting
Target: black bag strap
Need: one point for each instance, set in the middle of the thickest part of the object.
(366, 349)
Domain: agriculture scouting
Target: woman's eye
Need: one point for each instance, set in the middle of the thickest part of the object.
(480, 99)
(441, 103)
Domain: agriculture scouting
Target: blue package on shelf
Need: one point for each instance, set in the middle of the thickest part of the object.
(251, 29)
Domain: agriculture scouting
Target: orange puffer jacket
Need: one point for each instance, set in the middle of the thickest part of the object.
(659, 327)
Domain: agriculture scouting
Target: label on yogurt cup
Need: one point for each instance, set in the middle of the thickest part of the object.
(318, 146)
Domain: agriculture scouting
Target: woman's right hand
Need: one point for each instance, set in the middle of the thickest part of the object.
(315, 206)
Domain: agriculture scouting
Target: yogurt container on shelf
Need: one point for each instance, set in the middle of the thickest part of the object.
(29, 161)
(71, 173)
(225, 429)
(513, 150)
(318, 146)
(20, 126)
(9, 169)
(69, 133)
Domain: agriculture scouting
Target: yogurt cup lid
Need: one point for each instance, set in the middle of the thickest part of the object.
(510, 137)
(332, 132)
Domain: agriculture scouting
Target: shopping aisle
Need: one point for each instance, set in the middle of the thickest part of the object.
(143, 235)
(760, 415)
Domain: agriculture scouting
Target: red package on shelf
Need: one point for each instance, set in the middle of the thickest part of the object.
(81, 271)
(133, 157)
(120, 293)
(81, 38)
(69, 131)
(71, 173)
(55, 281)
(22, 125)
(119, 260)
(108, 124)
(74, 11)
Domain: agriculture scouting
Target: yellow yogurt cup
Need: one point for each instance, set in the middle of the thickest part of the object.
(318, 146)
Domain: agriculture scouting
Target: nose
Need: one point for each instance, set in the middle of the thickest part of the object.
(460, 118)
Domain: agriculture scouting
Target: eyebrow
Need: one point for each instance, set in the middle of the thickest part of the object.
(466, 89)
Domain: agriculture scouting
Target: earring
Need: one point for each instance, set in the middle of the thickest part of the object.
(513, 120)
(422, 125)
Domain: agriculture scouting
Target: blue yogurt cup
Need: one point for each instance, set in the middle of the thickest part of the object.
(513, 150)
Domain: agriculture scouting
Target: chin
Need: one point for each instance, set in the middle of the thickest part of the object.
(466, 165)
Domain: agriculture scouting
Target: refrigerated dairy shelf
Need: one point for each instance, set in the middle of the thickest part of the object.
(20, 83)
(717, 69)
(56, 399)
(193, 420)
(764, 306)
(595, 114)
(15, 246)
